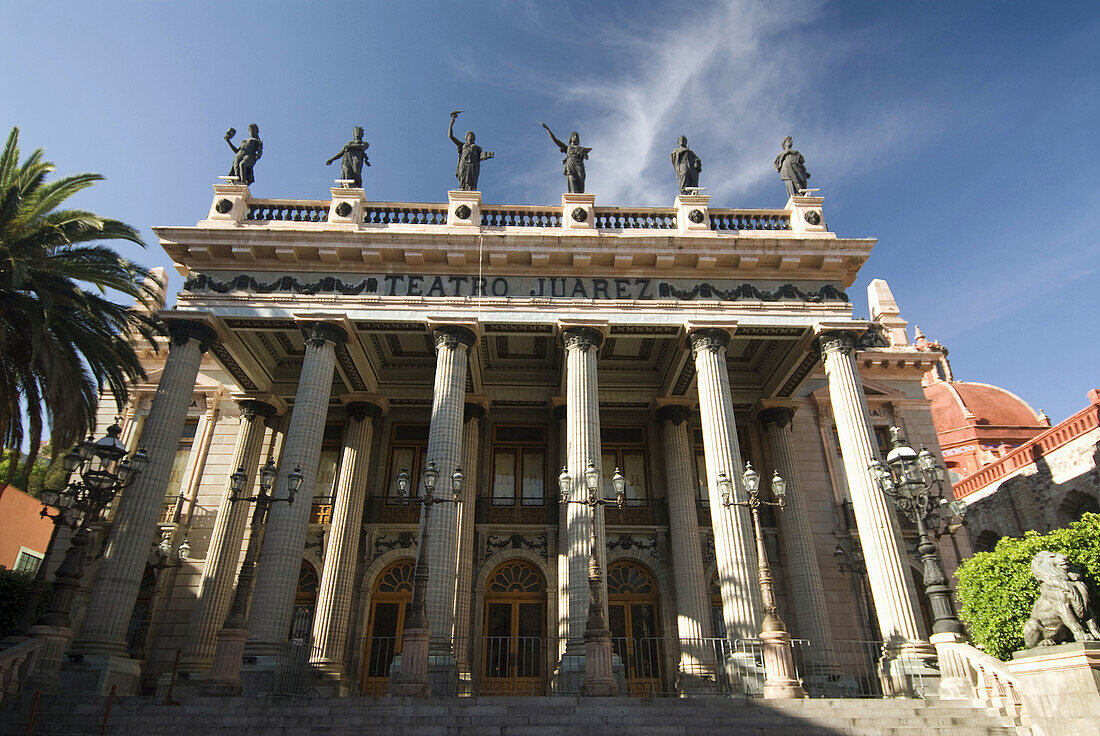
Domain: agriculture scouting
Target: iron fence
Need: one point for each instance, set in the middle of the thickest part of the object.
(645, 667)
(294, 675)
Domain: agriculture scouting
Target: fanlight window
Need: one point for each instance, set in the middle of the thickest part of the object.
(397, 579)
(629, 579)
(516, 577)
(307, 579)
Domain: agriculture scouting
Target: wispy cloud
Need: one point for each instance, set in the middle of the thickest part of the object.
(734, 76)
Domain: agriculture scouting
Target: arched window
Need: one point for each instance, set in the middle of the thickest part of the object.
(515, 624)
(1077, 503)
(986, 541)
(389, 602)
(632, 604)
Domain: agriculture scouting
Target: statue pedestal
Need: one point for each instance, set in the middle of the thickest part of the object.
(1061, 688)
(347, 206)
(578, 211)
(463, 208)
(806, 214)
(230, 204)
(693, 212)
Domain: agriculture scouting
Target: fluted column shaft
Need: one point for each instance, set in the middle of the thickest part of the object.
(333, 610)
(474, 413)
(692, 596)
(562, 631)
(452, 344)
(582, 417)
(287, 523)
(134, 530)
(733, 535)
(797, 535)
(891, 586)
(224, 553)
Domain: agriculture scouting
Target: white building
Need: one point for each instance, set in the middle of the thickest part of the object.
(352, 339)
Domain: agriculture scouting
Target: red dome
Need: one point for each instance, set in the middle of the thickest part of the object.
(957, 404)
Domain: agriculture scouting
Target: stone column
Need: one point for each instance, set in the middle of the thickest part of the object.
(798, 541)
(134, 530)
(452, 344)
(333, 610)
(692, 597)
(473, 416)
(562, 629)
(891, 586)
(582, 417)
(224, 553)
(733, 542)
(284, 538)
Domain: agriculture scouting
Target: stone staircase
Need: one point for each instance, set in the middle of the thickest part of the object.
(61, 715)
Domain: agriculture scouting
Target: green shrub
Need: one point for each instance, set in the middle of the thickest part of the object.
(997, 590)
(14, 589)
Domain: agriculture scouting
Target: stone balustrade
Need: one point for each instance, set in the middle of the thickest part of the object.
(15, 663)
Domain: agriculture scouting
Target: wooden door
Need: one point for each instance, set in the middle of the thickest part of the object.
(513, 648)
(389, 603)
(635, 627)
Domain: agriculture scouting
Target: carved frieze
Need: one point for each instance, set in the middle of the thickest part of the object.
(496, 543)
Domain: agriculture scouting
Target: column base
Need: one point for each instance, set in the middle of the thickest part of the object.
(331, 681)
(410, 668)
(46, 672)
(780, 682)
(97, 673)
(909, 671)
(224, 677)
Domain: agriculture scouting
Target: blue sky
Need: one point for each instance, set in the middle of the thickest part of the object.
(960, 134)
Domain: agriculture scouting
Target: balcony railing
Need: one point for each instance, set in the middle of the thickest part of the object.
(291, 210)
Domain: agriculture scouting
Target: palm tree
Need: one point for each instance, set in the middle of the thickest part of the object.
(62, 341)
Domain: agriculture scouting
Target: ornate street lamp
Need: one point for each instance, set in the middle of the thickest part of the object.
(412, 679)
(97, 471)
(779, 671)
(225, 670)
(914, 481)
(598, 677)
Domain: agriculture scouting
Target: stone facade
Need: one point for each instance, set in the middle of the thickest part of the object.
(512, 345)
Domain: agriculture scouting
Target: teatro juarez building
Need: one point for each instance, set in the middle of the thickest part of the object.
(349, 340)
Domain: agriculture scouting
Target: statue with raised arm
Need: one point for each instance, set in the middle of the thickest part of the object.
(247, 154)
(687, 165)
(573, 163)
(792, 168)
(470, 157)
(352, 158)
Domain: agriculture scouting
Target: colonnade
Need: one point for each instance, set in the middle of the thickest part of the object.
(452, 443)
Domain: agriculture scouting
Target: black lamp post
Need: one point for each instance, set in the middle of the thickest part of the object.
(914, 481)
(779, 671)
(97, 470)
(413, 676)
(225, 672)
(598, 676)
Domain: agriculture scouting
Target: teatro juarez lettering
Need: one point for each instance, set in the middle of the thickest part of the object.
(530, 287)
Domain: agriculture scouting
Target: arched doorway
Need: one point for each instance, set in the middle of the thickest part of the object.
(632, 600)
(305, 601)
(514, 627)
(388, 604)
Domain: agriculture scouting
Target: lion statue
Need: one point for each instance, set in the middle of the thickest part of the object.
(1062, 607)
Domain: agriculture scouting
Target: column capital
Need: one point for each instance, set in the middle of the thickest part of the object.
(839, 337)
(677, 413)
(710, 339)
(361, 405)
(475, 408)
(581, 337)
(558, 408)
(277, 405)
(780, 416)
(184, 327)
(318, 333)
(252, 408)
(451, 336)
